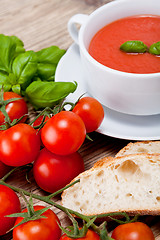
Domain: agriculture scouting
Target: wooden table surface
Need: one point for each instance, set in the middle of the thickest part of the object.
(40, 24)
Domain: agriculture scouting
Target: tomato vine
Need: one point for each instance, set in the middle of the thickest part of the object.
(89, 220)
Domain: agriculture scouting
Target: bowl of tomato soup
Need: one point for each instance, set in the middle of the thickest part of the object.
(105, 45)
(123, 81)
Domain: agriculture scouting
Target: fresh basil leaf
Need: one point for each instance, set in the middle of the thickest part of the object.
(47, 94)
(3, 77)
(7, 52)
(134, 47)
(6, 87)
(19, 49)
(17, 41)
(19, 45)
(46, 71)
(12, 79)
(50, 55)
(16, 88)
(24, 68)
(4, 81)
(155, 48)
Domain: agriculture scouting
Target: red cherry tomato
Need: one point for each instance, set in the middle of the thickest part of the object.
(15, 109)
(19, 145)
(64, 133)
(133, 231)
(38, 122)
(52, 172)
(91, 112)
(41, 229)
(9, 204)
(89, 236)
(3, 169)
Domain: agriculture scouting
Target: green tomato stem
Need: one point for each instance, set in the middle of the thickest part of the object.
(9, 173)
(62, 189)
(47, 200)
(47, 109)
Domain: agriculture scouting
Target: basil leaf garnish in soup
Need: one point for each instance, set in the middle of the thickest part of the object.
(155, 48)
(134, 46)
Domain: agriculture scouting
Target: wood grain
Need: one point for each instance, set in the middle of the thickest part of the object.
(42, 23)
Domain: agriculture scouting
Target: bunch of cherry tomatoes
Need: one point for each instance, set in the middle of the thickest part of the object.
(53, 152)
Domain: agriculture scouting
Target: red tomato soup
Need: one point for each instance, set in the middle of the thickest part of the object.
(105, 45)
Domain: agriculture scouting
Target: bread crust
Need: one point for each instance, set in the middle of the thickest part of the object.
(141, 144)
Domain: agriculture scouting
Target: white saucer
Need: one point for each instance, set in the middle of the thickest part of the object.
(115, 124)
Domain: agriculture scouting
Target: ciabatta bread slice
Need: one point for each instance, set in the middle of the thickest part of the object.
(150, 147)
(129, 183)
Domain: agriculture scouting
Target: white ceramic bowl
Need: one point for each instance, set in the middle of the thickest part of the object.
(137, 94)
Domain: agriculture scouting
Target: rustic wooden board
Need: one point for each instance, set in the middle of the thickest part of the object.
(41, 24)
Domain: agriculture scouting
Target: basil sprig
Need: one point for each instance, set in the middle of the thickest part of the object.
(155, 48)
(134, 46)
(32, 74)
(18, 67)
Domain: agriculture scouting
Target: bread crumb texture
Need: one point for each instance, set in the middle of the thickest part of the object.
(128, 183)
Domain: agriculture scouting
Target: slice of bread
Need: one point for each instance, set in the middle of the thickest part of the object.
(129, 183)
(151, 147)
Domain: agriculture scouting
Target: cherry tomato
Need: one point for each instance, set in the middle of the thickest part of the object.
(15, 109)
(3, 169)
(40, 229)
(91, 112)
(89, 236)
(37, 123)
(133, 231)
(64, 133)
(52, 172)
(19, 145)
(9, 204)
